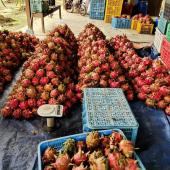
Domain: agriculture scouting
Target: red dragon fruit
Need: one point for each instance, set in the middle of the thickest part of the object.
(25, 82)
(167, 110)
(62, 162)
(44, 80)
(32, 103)
(23, 105)
(17, 114)
(40, 73)
(35, 81)
(13, 103)
(49, 155)
(116, 161)
(79, 157)
(52, 101)
(50, 74)
(27, 114)
(49, 66)
(40, 102)
(131, 164)
(6, 111)
(81, 167)
(54, 93)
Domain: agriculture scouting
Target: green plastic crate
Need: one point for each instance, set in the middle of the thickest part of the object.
(107, 108)
(162, 25)
(39, 6)
(168, 33)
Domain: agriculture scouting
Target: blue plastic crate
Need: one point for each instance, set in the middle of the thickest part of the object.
(107, 108)
(97, 15)
(97, 9)
(58, 143)
(162, 25)
(143, 7)
(121, 23)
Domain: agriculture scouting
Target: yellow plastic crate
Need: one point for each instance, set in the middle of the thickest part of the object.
(114, 2)
(134, 24)
(113, 9)
(144, 28)
(107, 18)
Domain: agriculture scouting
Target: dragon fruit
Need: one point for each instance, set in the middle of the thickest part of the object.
(116, 161)
(27, 114)
(32, 103)
(23, 105)
(126, 147)
(35, 81)
(13, 103)
(40, 73)
(81, 167)
(79, 157)
(6, 111)
(62, 162)
(17, 114)
(49, 167)
(44, 80)
(25, 82)
(29, 73)
(92, 140)
(49, 155)
(69, 146)
(131, 164)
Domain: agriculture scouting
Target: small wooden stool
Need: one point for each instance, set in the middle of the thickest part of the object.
(42, 15)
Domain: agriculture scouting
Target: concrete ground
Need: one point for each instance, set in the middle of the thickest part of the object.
(77, 22)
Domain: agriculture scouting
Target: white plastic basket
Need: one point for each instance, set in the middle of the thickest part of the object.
(158, 39)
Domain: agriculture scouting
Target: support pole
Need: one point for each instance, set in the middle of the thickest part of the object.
(28, 13)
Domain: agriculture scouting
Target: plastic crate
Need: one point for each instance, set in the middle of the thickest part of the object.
(97, 15)
(143, 7)
(165, 53)
(39, 6)
(107, 108)
(144, 28)
(121, 23)
(113, 9)
(97, 9)
(162, 25)
(166, 13)
(168, 33)
(134, 24)
(58, 143)
(98, 6)
(158, 39)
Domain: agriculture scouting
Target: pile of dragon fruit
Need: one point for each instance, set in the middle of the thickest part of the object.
(96, 152)
(97, 66)
(48, 77)
(61, 66)
(15, 48)
(150, 78)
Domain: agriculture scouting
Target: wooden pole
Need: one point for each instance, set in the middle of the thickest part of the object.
(28, 13)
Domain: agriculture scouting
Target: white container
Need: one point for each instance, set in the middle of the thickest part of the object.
(158, 39)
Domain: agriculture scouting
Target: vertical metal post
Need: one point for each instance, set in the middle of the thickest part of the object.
(28, 13)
